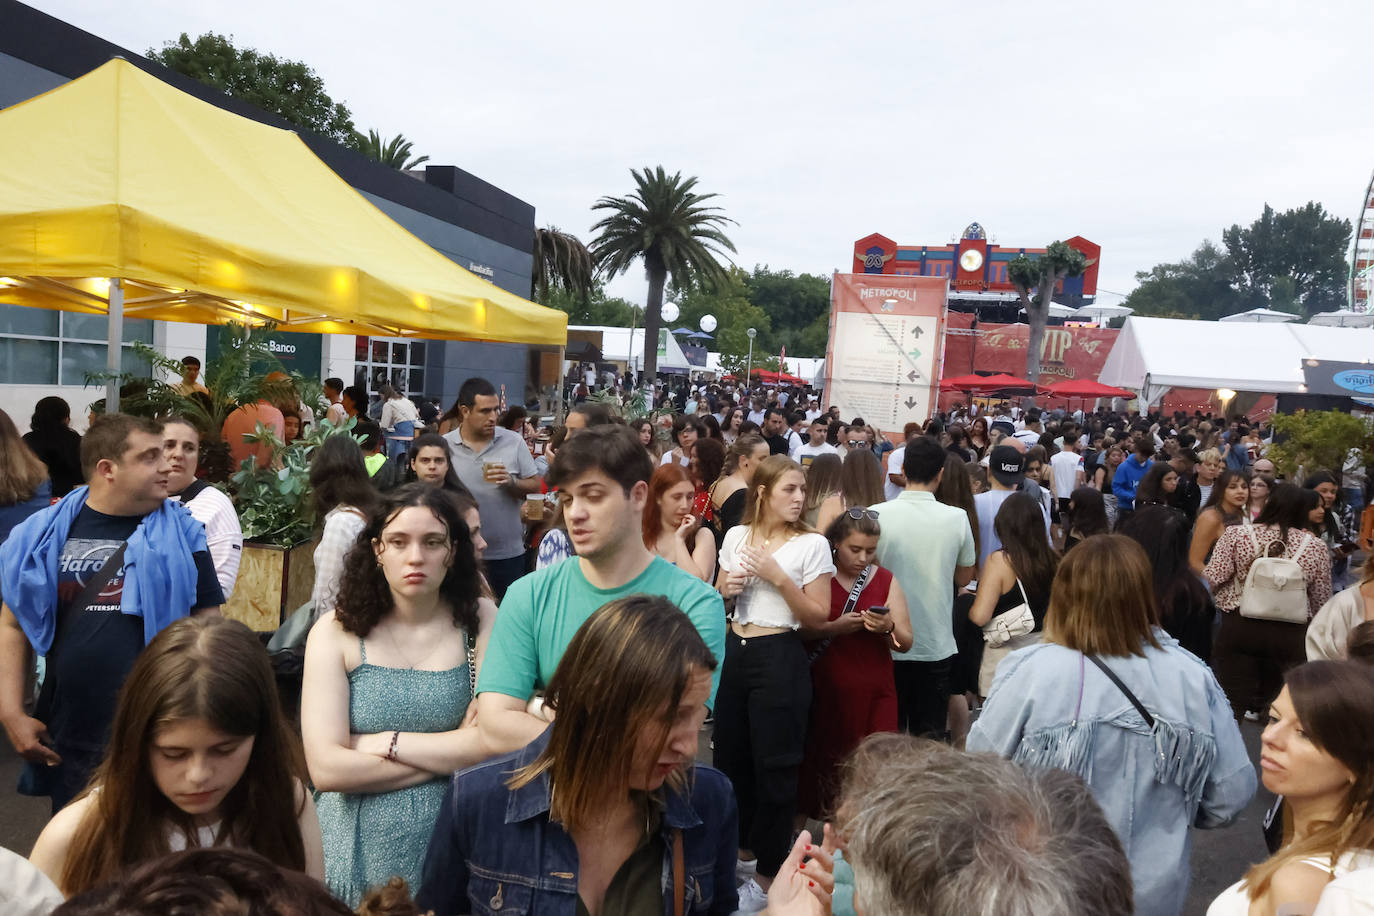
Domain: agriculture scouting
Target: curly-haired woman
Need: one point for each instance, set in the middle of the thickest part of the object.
(388, 682)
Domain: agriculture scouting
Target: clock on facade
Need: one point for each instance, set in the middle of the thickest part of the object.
(971, 259)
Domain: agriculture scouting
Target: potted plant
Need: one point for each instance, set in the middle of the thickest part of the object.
(277, 571)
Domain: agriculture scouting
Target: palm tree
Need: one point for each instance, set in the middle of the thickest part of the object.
(560, 259)
(394, 152)
(664, 222)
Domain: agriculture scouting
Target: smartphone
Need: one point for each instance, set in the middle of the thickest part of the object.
(877, 609)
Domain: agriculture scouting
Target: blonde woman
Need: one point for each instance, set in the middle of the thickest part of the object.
(1324, 769)
(776, 571)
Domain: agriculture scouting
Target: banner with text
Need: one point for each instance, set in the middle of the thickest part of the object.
(883, 359)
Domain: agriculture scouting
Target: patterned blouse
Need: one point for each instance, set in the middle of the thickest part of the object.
(1235, 552)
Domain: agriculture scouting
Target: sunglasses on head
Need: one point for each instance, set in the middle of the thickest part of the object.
(858, 514)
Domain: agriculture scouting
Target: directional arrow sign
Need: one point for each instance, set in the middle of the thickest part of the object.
(913, 375)
(910, 403)
(914, 354)
(918, 330)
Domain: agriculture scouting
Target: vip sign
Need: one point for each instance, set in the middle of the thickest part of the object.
(883, 360)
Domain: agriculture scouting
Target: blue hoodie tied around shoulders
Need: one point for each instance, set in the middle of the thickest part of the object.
(159, 571)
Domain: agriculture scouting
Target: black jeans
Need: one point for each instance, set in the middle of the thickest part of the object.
(501, 573)
(923, 696)
(1250, 657)
(762, 708)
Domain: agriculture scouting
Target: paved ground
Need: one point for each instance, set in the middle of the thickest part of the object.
(1219, 856)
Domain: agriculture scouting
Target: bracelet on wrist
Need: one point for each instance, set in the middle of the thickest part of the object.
(391, 752)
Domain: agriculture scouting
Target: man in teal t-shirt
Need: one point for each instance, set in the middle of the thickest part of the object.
(602, 475)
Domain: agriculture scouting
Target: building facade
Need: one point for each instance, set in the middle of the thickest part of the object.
(479, 226)
(976, 267)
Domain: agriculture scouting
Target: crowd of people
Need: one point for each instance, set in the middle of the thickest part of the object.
(996, 663)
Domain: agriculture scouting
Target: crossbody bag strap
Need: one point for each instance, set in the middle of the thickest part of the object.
(472, 666)
(1139, 706)
(860, 581)
(679, 875)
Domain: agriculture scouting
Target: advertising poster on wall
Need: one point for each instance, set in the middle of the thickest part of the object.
(886, 335)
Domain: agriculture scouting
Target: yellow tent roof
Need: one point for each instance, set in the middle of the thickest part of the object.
(211, 217)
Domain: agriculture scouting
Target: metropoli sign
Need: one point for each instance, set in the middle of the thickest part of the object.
(886, 340)
(1324, 376)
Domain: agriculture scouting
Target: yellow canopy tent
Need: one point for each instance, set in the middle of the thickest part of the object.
(122, 195)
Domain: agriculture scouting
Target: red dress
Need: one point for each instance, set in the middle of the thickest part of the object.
(852, 697)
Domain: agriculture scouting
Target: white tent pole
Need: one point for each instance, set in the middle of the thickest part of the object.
(114, 344)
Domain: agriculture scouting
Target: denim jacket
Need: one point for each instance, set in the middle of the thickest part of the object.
(1049, 706)
(495, 851)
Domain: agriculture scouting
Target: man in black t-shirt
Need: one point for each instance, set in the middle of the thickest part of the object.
(775, 431)
(91, 639)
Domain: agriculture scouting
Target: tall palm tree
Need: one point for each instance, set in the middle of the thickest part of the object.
(663, 221)
(394, 152)
(560, 259)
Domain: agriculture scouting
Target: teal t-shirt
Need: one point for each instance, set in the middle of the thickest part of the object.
(542, 611)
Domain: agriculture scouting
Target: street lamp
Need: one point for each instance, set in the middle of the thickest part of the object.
(749, 365)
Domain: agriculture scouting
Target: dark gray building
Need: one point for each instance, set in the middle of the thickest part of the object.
(478, 225)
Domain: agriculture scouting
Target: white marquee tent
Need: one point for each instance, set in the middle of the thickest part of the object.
(1152, 355)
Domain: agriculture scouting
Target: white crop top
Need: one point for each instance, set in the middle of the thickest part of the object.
(804, 557)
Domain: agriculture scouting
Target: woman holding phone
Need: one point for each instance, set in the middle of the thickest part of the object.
(853, 694)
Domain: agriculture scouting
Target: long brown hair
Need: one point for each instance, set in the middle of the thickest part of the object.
(1103, 600)
(1334, 701)
(21, 472)
(822, 480)
(666, 476)
(861, 478)
(209, 668)
(1020, 526)
(625, 670)
(956, 489)
(766, 476)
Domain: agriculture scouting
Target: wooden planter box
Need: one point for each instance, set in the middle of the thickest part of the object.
(273, 582)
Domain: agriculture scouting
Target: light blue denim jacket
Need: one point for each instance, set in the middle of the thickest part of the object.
(1050, 706)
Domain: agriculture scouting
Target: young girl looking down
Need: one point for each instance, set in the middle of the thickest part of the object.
(199, 755)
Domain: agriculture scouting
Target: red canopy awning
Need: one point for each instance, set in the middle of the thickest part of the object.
(1086, 388)
(768, 375)
(961, 382)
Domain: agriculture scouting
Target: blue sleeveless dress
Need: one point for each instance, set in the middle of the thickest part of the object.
(370, 837)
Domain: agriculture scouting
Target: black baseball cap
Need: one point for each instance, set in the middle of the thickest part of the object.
(1007, 465)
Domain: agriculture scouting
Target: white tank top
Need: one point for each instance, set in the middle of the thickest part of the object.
(1236, 902)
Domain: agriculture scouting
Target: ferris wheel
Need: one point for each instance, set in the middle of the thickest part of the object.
(1362, 255)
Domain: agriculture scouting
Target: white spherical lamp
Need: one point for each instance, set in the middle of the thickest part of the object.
(707, 323)
(670, 311)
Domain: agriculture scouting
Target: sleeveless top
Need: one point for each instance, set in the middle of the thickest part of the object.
(370, 836)
(1234, 901)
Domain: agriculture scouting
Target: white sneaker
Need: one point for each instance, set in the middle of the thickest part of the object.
(745, 869)
(752, 898)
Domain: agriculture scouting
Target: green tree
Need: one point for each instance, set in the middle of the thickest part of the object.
(1035, 280)
(796, 304)
(287, 88)
(394, 152)
(1291, 261)
(561, 260)
(1312, 439)
(665, 223)
(1198, 287)
(594, 308)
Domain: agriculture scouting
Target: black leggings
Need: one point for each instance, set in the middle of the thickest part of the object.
(762, 708)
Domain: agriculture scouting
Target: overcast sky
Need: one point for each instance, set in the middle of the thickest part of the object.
(1144, 127)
